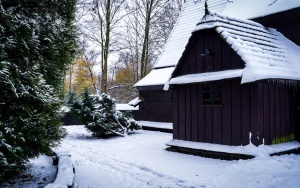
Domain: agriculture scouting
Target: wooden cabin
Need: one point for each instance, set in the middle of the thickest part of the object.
(156, 103)
(236, 83)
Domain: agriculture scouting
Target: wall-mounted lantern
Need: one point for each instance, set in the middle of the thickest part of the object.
(207, 53)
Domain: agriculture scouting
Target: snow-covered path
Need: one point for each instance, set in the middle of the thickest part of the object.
(140, 160)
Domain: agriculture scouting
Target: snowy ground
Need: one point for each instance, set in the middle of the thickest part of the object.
(39, 173)
(140, 160)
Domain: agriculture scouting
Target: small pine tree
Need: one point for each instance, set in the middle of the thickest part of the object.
(100, 116)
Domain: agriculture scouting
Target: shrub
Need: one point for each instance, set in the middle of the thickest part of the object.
(100, 116)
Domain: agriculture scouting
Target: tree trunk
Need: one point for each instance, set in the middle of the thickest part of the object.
(144, 56)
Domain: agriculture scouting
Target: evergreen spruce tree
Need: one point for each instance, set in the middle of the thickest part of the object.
(36, 45)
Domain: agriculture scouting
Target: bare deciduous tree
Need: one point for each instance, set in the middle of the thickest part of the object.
(99, 25)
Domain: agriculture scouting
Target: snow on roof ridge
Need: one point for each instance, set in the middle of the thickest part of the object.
(213, 17)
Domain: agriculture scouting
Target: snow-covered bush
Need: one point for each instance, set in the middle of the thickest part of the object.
(100, 116)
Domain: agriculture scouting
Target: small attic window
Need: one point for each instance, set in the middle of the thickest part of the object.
(211, 94)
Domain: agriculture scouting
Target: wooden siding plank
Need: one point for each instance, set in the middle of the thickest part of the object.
(181, 115)
(188, 113)
(225, 55)
(277, 115)
(175, 112)
(260, 99)
(236, 61)
(208, 111)
(245, 114)
(200, 48)
(272, 112)
(287, 114)
(226, 112)
(283, 134)
(192, 68)
(253, 114)
(266, 107)
(217, 125)
(209, 45)
(194, 113)
(201, 116)
(217, 53)
(297, 114)
(292, 113)
(236, 113)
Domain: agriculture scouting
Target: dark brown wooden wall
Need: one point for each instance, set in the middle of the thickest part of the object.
(276, 113)
(223, 58)
(220, 124)
(266, 111)
(156, 105)
(297, 114)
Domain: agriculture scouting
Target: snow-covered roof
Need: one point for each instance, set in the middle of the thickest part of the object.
(208, 76)
(249, 9)
(126, 107)
(178, 39)
(156, 77)
(136, 101)
(188, 18)
(267, 53)
(194, 10)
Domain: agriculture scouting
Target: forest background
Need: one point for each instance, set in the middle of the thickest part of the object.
(119, 41)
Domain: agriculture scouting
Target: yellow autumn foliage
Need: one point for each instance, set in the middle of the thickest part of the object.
(78, 76)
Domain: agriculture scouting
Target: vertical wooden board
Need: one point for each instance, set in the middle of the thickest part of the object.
(254, 114)
(192, 60)
(201, 116)
(236, 134)
(209, 45)
(289, 117)
(283, 134)
(217, 53)
(292, 112)
(208, 111)
(188, 122)
(175, 113)
(236, 61)
(286, 114)
(266, 117)
(182, 110)
(226, 62)
(226, 112)
(296, 101)
(272, 112)
(200, 46)
(277, 115)
(260, 99)
(194, 112)
(245, 113)
(217, 125)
